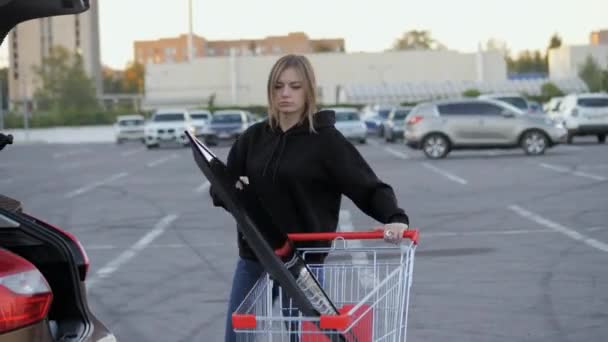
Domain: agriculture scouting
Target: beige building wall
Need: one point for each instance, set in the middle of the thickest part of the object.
(242, 80)
(565, 62)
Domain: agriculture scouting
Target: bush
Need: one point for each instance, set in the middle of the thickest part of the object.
(471, 93)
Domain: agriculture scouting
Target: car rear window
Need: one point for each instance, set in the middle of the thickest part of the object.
(593, 102)
(401, 114)
(347, 116)
(226, 118)
(199, 116)
(169, 117)
(129, 123)
(515, 101)
(457, 108)
(384, 113)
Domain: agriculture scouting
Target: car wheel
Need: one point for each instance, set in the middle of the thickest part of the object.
(601, 138)
(388, 137)
(534, 142)
(381, 131)
(435, 146)
(152, 146)
(569, 138)
(363, 141)
(119, 141)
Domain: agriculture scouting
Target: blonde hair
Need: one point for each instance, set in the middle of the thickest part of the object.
(303, 67)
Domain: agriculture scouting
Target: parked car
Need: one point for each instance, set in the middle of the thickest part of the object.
(226, 125)
(43, 269)
(349, 123)
(129, 128)
(394, 124)
(442, 126)
(552, 107)
(43, 272)
(512, 99)
(200, 119)
(585, 114)
(167, 126)
(374, 117)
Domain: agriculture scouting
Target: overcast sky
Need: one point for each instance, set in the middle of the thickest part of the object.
(366, 25)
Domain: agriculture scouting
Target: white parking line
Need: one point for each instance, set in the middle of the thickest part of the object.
(160, 161)
(396, 153)
(488, 233)
(366, 275)
(132, 152)
(157, 246)
(130, 253)
(95, 185)
(563, 169)
(446, 174)
(70, 153)
(571, 233)
(203, 187)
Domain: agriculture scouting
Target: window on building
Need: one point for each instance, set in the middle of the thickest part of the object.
(276, 49)
(16, 75)
(211, 51)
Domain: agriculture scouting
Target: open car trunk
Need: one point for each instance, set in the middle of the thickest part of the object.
(59, 257)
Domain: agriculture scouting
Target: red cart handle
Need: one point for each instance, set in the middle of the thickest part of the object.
(378, 234)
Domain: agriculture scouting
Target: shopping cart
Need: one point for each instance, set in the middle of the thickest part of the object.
(369, 282)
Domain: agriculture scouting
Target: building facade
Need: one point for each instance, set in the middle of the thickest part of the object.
(241, 80)
(175, 50)
(599, 37)
(31, 41)
(566, 61)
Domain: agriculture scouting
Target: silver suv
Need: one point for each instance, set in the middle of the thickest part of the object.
(441, 126)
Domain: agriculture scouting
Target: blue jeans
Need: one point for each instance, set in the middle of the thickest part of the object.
(246, 275)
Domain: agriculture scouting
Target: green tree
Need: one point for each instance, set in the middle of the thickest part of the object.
(471, 93)
(133, 81)
(112, 81)
(549, 90)
(555, 41)
(417, 40)
(591, 73)
(64, 85)
(528, 62)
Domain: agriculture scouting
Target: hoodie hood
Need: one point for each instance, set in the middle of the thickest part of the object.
(321, 120)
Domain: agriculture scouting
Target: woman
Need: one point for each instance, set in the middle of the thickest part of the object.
(299, 165)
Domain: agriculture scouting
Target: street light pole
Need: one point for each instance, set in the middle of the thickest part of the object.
(190, 33)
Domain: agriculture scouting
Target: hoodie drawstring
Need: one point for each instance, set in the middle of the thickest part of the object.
(280, 147)
(274, 150)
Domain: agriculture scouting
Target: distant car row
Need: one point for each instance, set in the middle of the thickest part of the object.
(167, 126)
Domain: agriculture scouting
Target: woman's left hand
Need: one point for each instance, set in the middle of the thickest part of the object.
(393, 232)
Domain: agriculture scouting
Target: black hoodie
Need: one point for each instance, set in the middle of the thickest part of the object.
(300, 177)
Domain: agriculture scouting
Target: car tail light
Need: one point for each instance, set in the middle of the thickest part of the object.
(83, 269)
(414, 120)
(25, 296)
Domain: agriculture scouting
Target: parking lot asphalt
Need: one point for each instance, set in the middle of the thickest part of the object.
(513, 248)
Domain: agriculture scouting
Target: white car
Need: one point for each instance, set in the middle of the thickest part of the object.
(167, 126)
(349, 123)
(200, 120)
(585, 114)
(129, 127)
